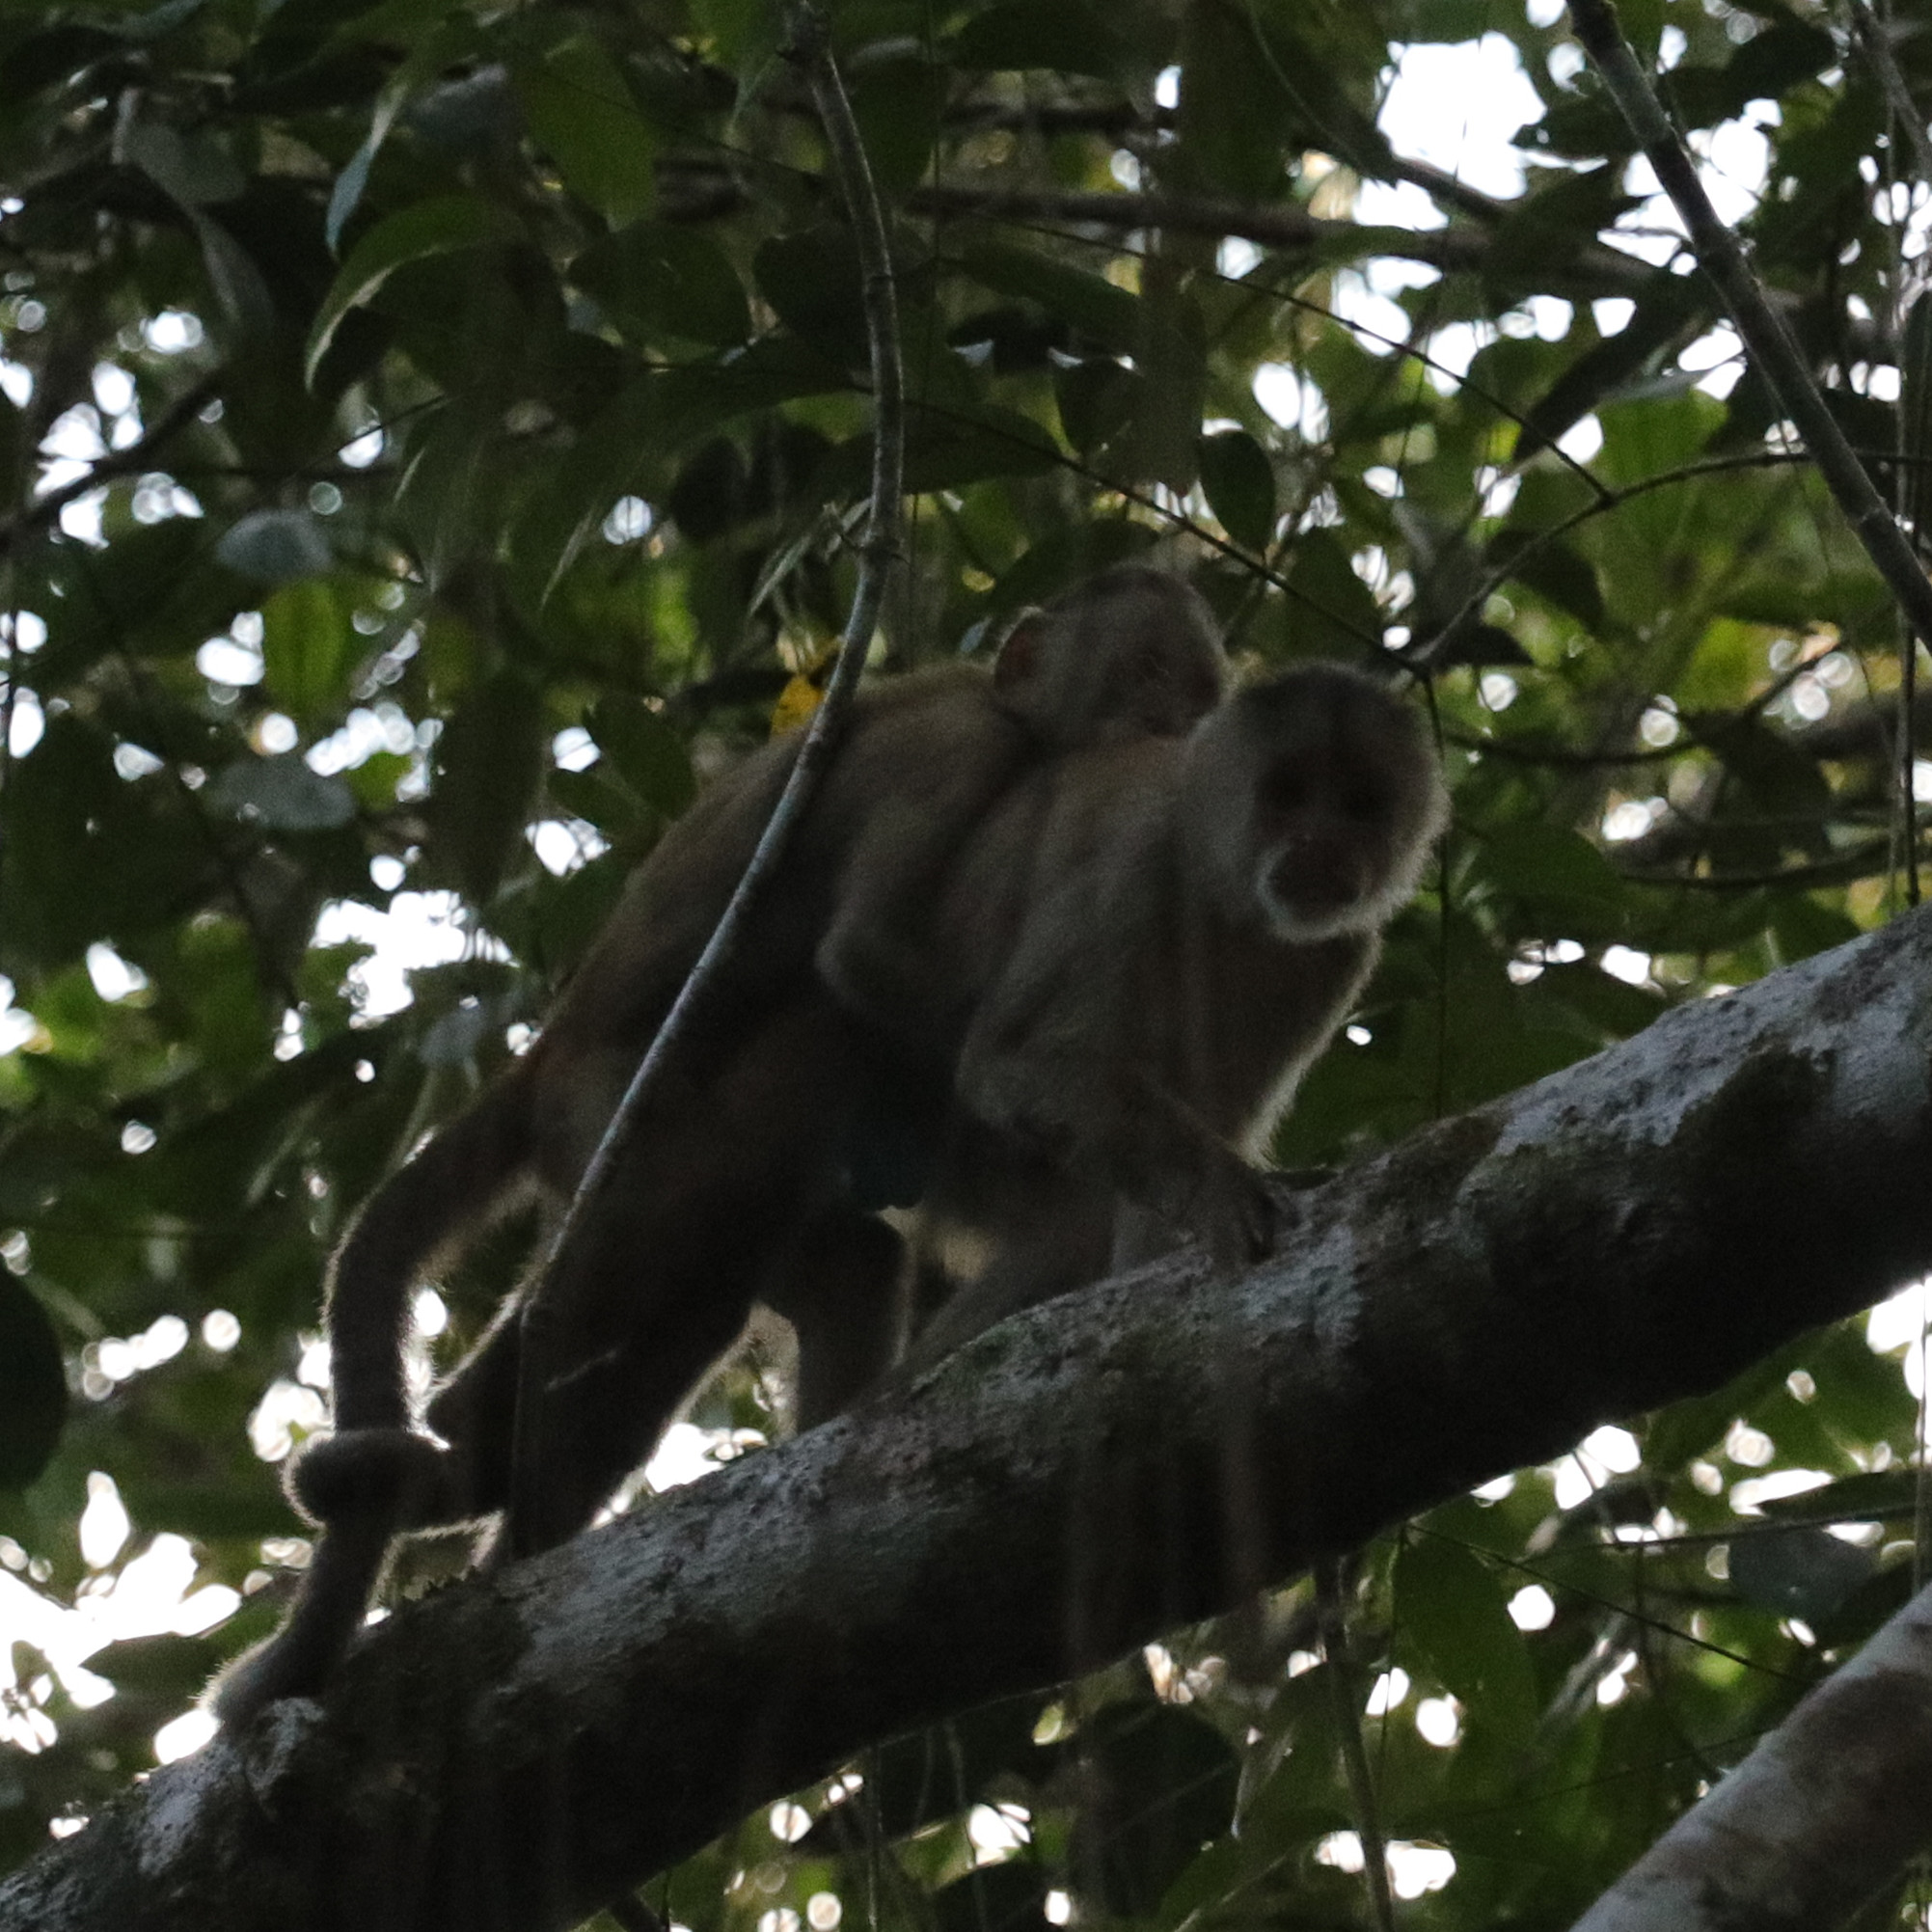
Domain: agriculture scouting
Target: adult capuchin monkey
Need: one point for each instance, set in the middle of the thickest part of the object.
(1202, 916)
(740, 1182)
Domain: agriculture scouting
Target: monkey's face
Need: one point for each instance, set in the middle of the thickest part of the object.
(1344, 801)
(1171, 688)
(1131, 653)
(1325, 846)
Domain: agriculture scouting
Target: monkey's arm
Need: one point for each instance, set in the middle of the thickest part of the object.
(1063, 1055)
(1122, 1125)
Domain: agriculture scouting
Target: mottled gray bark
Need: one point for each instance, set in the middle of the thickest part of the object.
(1816, 1822)
(1105, 1468)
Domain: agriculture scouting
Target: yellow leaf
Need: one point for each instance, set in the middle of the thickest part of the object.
(796, 703)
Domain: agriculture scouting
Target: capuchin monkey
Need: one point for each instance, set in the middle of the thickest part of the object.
(748, 1180)
(1202, 916)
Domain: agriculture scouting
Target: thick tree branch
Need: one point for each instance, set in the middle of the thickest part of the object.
(1816, 1822)
(1109, 1466)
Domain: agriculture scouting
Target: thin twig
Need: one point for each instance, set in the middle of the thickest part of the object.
(1773, 350)
(1334, 1623)
(117, 462)
(1862, 861)
(878, 549)
(1877, 50)
(633, 1912)
(1270, 225)
(1432, 647)
(1906, 119)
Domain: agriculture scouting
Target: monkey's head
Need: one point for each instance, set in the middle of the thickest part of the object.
(1317, 797)
(1133, 652)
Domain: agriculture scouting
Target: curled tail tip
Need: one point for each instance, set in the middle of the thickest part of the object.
(369, 1475)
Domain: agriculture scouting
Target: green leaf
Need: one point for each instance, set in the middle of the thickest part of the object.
(1915, 411)
(439, 226)
(1450, 1612)
(744, 34)
(1552, 570)
(948, 450)
(586, 119)
(427, 60)
(1059, 34)
(813, 280)
(284, 794)
(897, 103)
(1110, 316)
(32, 1387)
(599, 800)
(310, 645)
(646, 753)
(1234, 114)
(1013, 1897)
(557, 522)
(488, 763)
(194, 170)
(1171, 359)
(275, 546)
(1163, 1782)
(655, 280)
(1240, 483)
(1555, 872)
(1095, 399)
(1331, 612)
(1798, 1572)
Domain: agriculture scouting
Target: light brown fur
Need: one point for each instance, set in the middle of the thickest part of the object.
(1199, 916)
(739, 1183)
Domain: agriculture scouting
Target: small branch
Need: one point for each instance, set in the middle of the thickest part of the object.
(1877, 50)
(116, 463)
(1816, 1822)
(1773, 350)
(1451, 250)
(1332, 1619)
(1863, 861)
(1472, 606)
(1908, 121)
(878, 549)
(1120, 118)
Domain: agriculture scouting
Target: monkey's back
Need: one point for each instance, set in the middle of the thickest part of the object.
(909, 744)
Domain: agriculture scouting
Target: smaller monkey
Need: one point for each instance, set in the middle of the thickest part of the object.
(1203, 915)
(740, 1185)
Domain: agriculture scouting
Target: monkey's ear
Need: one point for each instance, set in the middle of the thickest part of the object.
(1018, 663)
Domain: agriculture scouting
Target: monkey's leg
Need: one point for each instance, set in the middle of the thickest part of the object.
(1053, 1234)
(658, 1280)
(1121, 1126)
(839, 1286)
(472, 1409)
(653, 1292)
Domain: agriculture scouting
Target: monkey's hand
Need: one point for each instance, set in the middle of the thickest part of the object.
(1237, 1213)
(392, 1476)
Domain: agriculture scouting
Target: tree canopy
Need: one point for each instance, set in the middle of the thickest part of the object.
(440, 436)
